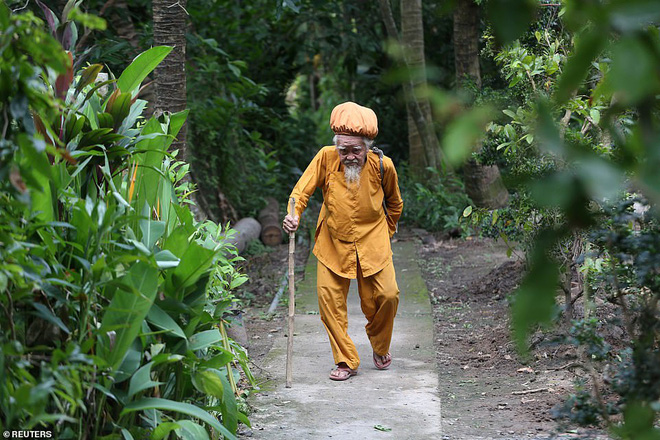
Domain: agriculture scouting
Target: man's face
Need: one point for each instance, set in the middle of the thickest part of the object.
(352, 151)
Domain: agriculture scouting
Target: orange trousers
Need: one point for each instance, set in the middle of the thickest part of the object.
(379, 299)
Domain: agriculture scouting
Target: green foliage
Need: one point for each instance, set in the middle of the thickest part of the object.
(580, 131)
(111, 294)
(585, 332)
(245, 143)
(435, 205)
(256, 248)
(579, 408)
(517, 224)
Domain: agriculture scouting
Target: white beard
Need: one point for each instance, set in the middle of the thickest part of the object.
(352, 174)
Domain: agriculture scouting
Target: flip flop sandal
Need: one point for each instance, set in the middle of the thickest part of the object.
(342, 373)
(384, 365)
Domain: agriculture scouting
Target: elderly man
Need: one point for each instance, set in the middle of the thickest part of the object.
(361, 207)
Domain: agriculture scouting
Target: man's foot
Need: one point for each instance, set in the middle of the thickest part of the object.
(382, 362)
(342, 372)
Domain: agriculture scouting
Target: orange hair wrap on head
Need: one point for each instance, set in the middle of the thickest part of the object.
(352, 119)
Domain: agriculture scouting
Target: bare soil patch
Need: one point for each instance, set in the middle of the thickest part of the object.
(487, 390)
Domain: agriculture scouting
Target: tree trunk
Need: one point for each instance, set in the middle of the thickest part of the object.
(466, 42)
(169, 20)
(412, 39)
(120, 20)
(423, 123)
(483, 183)
(169, 17)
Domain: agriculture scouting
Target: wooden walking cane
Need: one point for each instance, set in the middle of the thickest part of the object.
(292, 298)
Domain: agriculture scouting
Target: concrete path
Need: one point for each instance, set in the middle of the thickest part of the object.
(399, 403)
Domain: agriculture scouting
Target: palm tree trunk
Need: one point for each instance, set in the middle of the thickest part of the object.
(169, 18)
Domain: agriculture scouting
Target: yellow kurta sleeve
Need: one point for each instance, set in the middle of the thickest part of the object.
(393, 198)
(313, 177)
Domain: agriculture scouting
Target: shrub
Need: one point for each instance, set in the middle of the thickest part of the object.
(435, 205)
(110, 324)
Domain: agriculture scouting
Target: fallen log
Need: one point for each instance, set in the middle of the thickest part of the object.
(247, 229)
(271, 230)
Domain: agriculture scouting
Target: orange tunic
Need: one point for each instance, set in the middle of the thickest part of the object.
(352, 225)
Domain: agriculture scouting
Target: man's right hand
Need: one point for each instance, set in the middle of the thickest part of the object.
(290, 223)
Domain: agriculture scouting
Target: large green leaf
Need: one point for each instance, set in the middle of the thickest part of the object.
(640, 83)
(195, 263)
(205, 339)
(633, 15)
(535, 298)
(36, 171)
(228, 404)
(177, 241)
(639, 419)
(119, 107)
(152, 230)
(5, 13)
(141, 66)
(222, 358)
(141, 380)
(166, 196)
(209, 382)
(88, 76)
(185, 217)
(176, 122)
(180, 407)
(128, 308)
(191, 431)
(166, 260)
(163, 430)
(130, 364)
(159, 318)
(463, 134)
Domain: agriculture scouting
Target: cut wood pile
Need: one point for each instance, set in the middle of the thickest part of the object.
(267, 228)
(271, 230)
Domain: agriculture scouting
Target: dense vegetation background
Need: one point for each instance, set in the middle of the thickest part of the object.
(531, 121)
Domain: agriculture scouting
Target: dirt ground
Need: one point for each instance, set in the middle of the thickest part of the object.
(487, 390)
